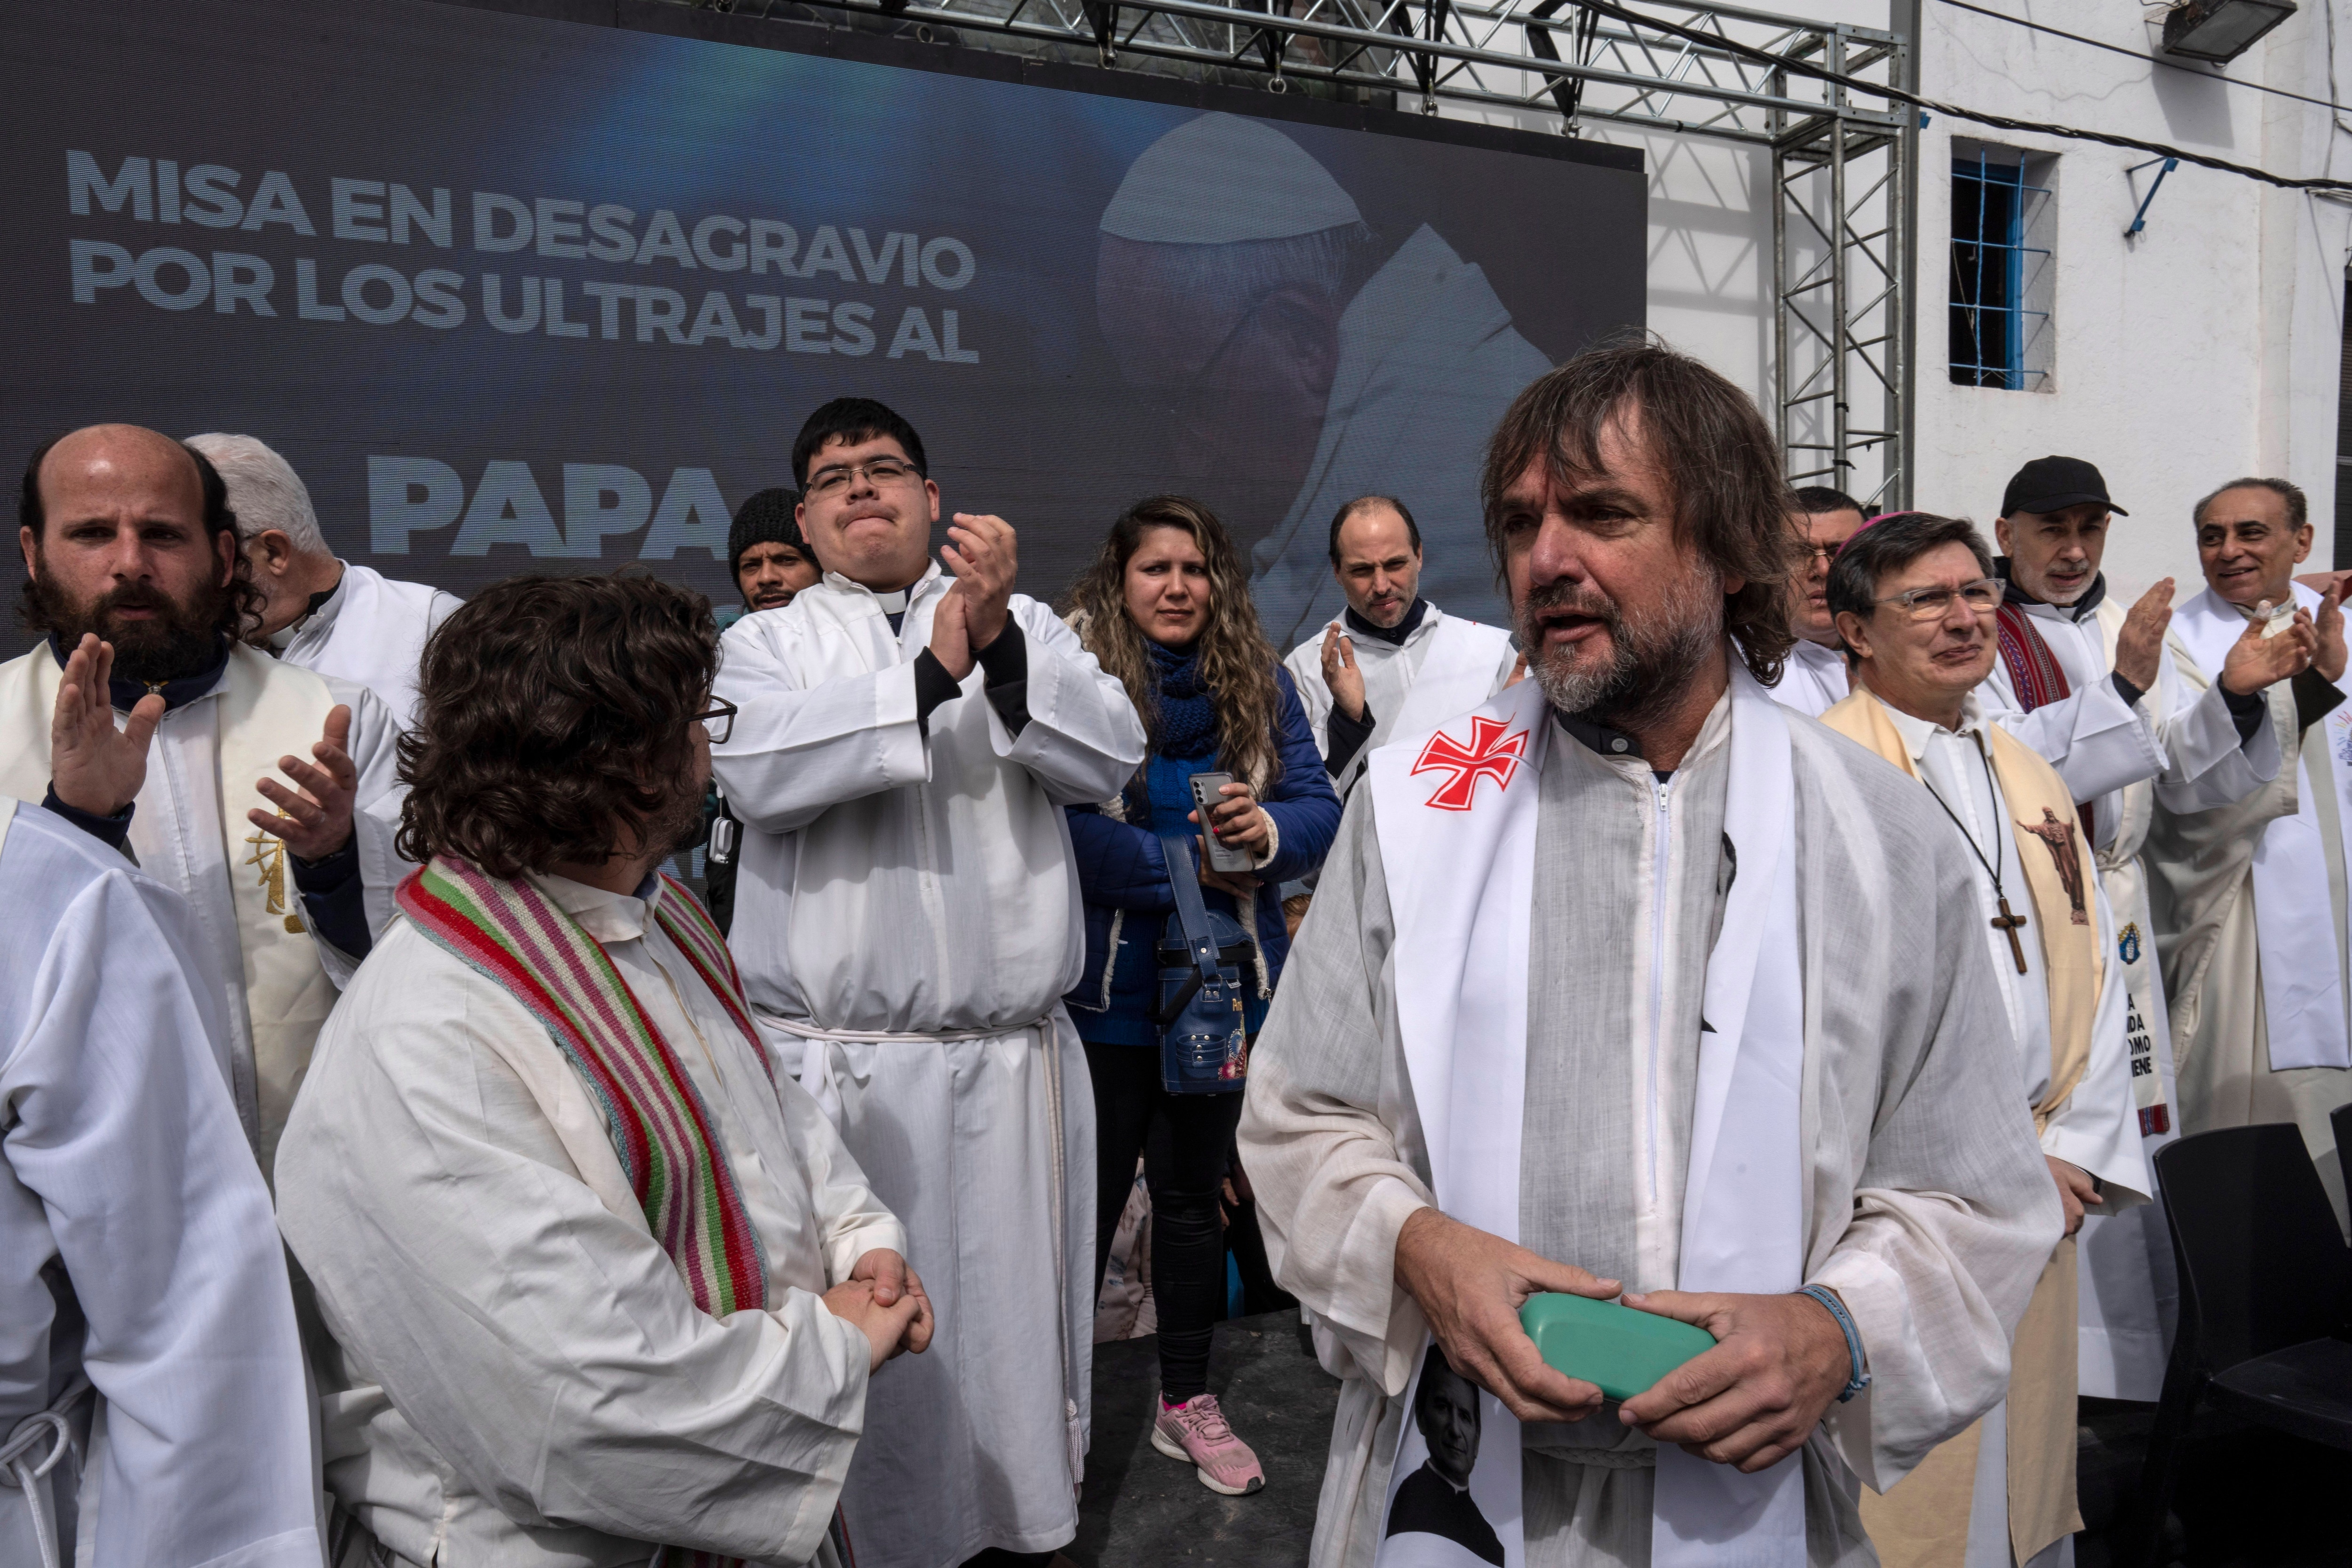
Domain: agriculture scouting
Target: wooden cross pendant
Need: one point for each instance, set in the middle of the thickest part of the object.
(2007, 924)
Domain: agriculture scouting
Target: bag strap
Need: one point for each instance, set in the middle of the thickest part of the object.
(1192, 915)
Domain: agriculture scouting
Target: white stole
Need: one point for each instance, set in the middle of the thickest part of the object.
(2295, 910)
(1461, 874)
(1457, 673)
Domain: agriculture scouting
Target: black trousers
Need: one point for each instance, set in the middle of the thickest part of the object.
(1186, 1140)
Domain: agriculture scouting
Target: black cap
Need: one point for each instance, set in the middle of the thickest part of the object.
(766, 518)
(2053, 484)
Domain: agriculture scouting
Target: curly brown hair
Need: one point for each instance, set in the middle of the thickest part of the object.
(1237, 662)
(551, 716)
(1730, 500)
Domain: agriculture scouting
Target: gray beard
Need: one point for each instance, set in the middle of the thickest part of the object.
(1654, 658)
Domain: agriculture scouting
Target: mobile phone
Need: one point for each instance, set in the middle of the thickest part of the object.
(1208, 791)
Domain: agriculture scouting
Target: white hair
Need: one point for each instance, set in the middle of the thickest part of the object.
(263, 491)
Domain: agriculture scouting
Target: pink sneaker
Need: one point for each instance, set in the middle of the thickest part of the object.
(1196, 1432)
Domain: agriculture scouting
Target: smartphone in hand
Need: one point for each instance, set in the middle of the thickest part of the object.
(1208, 791)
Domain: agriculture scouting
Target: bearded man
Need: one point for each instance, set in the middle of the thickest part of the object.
(1605, 1000)
(146, 720)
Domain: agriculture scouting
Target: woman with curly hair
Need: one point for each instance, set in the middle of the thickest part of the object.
(1166, 609)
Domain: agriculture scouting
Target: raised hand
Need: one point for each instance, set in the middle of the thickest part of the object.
(1470, 1285)
(1341, 674)
(315, 821)
(982, 552)
(951, 634)
(1777, 1363)
(93, 766)
(2329, 656)
(2139, 643)
(2257, 661)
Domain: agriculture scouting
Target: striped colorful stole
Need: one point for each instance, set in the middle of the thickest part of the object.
(2036, 676)
(510, 932)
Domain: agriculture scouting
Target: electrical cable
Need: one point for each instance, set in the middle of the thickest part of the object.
(1974, 116)
(2152, 59)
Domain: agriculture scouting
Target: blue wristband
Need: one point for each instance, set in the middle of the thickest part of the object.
(1858, 1375)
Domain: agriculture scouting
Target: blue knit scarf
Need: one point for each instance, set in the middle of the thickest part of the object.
(1188, 715)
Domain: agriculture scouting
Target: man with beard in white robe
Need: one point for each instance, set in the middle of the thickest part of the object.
(317, 610)
(145, 722)
(2097, 692)
(147, 1348)
(907, 917)
(1573, 933)
(2249, 898)
(1393, 663)
(1814, 678)
(1231, 284)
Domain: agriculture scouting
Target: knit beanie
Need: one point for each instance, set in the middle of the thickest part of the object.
(766, 518)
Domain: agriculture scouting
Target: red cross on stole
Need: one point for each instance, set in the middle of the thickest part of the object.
(1490, 755)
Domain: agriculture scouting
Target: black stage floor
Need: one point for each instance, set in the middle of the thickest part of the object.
(2247, 1500)
(1141, 1508)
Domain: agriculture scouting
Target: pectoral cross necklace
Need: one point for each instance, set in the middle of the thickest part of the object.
(2003, 922)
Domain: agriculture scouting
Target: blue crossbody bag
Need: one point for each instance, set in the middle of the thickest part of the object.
(1203, 1044)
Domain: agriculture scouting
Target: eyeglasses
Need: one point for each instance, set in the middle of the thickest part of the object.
(1983, 598)
(717, 721)
(877, 472)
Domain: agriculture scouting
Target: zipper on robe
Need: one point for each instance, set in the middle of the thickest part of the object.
(1659, 884)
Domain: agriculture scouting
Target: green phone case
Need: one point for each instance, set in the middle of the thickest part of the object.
(1619, 1350)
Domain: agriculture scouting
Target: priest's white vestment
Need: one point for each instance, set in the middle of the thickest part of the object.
(371, 630)
(1926, 1203)
(1814, 681)
(2199, 763)
(2251, 919)
(1429, 363)
(136, 1244)
(275, 975)
(907, 919)
(1443, 667)
(518, 1372)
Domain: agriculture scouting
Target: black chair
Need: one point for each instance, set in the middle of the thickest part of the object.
(2340, 1119)
(2266, 1295)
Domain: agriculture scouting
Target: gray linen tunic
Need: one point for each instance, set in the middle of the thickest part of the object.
(1927, 1204)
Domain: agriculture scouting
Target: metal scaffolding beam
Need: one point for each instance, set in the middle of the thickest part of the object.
(1842, 162)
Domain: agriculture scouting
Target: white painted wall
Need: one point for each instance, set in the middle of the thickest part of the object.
(2205, 348)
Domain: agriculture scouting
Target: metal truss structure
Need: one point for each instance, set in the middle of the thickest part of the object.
(1843, 165)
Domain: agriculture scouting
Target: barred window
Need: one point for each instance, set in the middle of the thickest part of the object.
(2002, 268)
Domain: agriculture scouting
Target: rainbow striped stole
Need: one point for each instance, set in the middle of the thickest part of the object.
(510, 932)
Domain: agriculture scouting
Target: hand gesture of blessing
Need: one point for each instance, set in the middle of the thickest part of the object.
(315, 821)
(93, 766)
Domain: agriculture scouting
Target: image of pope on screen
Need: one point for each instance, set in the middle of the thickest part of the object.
(1302, 363)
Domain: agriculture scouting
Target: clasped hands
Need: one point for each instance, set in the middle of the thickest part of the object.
(884, 1299)
(100, 770)
(984, 557)
(1777, 1363)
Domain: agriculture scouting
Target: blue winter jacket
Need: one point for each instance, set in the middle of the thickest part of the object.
(1123, 876)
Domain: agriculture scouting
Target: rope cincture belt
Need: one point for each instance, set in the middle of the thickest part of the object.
(19, 1469)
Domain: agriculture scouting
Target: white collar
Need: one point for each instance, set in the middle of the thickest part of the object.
(322, 616)
(1917, 732)
(894, 602)
(606, 915)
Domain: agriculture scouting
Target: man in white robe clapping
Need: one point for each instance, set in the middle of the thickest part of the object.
(143, 1302)
(144, 720)
(1915, 600)
(2249, 898)
(1633, 979)
(1393, 663)
(908, 918)
(601, 1287)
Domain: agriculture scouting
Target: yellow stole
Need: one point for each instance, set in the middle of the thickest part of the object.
(265, 710)
(1923, 1521)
